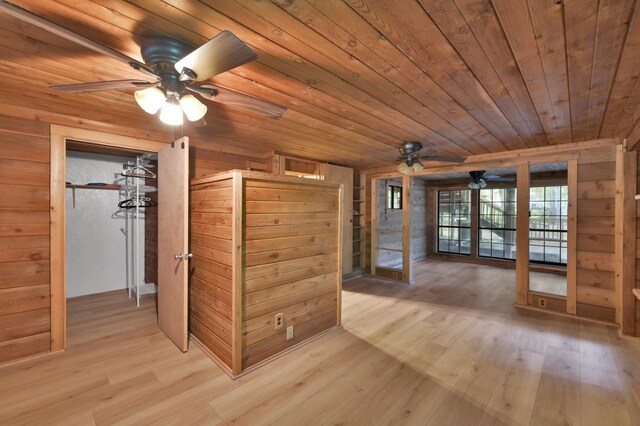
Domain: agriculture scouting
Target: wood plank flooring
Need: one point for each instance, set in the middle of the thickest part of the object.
(450, 350)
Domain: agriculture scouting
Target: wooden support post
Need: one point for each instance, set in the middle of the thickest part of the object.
(522, 236)
(475, 229)
(57, 243)
(625, 238)
(237, 277)
(374, 225)
(572, 236)
(407, 267)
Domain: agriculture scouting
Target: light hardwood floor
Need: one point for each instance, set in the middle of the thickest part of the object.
(451, 350)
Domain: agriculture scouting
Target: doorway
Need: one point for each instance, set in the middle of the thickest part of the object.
(172, 285)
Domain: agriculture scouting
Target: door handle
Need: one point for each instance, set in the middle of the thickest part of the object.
(183, 256)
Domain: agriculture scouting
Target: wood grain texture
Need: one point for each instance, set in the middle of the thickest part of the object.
(273, 249)
(25, 263)
(446, 355)
(464, 77)
(173, 239)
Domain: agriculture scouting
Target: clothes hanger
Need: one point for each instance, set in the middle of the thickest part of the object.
(131, 172)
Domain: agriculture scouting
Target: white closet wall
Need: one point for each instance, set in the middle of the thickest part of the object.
(95, 243)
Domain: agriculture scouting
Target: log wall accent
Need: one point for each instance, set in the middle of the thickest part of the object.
(24, 238)
(595, 293)
(287, 234)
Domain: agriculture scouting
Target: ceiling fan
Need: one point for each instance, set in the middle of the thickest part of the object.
(479, 179)
(174, 66)
(411, 161)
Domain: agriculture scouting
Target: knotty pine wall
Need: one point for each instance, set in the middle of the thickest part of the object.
(24, 238)
(595, 241)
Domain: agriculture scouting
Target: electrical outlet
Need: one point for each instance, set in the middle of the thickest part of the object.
(290, 332)
(542, 302)
(279, 321)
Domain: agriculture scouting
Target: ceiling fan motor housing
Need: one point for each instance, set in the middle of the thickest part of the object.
(477, 175)
(161, 54)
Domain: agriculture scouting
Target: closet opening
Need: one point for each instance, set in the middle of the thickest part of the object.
(111, 215)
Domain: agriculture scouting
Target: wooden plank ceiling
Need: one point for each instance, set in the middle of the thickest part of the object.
(359, 76)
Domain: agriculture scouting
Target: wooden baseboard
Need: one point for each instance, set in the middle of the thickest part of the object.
(213, 357)
(288, 350)
(546, 311)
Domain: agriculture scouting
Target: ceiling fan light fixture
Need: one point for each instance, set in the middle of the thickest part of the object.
(150, 99)
(404, 168)
(171, 113)
(192, 107)
(418, 168)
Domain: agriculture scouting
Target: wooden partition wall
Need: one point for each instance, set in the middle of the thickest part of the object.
(262, 245)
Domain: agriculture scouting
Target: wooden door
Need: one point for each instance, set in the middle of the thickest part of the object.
(344, 175)
(173, 243)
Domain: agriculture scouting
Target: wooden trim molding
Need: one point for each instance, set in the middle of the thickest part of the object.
(572, 236)
(238, 277)
(522, 236)
(57, 178)
(625, 239)
(57, 242)
(407, 267)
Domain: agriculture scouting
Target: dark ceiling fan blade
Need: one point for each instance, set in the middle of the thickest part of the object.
(442, 158)
(499, 179)
(56, 29)
(100, 86)
(241, 101)
(222, 53)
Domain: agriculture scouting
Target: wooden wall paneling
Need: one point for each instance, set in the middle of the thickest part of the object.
(625, 238)
(303, 284)
(522, 236)
(213, 292)
(25, 261)
(596, 221)
(249, 266)
(572, 236)
(237, 291)
(407, 263)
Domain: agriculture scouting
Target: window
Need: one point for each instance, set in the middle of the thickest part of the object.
(394, 197)
(497, 223)
(454, 221)
(548, 224)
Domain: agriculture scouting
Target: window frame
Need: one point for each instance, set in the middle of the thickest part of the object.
(458, 227)
(480, 228)
(392, 191)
